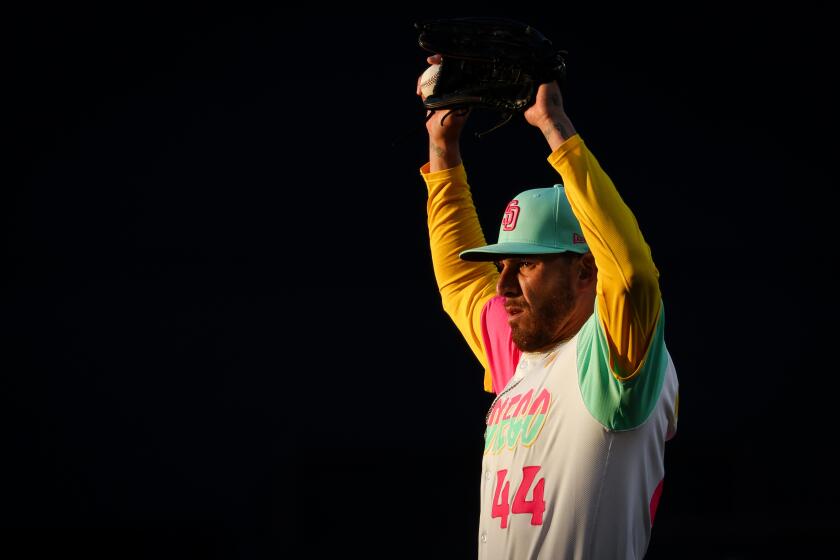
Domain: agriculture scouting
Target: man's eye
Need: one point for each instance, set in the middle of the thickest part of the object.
(525, 264)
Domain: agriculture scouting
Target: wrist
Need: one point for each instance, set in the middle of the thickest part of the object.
(445, 140)
(556, 129)
(444, 155)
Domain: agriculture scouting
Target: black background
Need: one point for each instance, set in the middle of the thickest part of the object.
(223, 333)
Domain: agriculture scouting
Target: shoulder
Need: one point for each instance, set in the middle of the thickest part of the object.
(620, 403)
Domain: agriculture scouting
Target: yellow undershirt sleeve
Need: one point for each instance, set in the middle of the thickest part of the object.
(465, 287)
(628, 281)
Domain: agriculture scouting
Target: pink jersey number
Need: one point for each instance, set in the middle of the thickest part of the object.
(501, 509)
(536, 506)
(501, 497)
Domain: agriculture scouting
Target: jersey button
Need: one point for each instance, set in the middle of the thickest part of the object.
(484, 536)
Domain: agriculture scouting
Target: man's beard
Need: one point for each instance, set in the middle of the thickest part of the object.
(538, 332)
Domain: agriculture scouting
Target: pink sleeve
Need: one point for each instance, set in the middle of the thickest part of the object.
(502, 353)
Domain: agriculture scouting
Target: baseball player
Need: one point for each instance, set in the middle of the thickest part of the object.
(564, 313)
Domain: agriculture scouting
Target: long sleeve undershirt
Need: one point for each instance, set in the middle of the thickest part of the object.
(628, 281)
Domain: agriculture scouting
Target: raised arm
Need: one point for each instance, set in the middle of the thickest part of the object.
(465, 287)
(628, 282)
(444, 134)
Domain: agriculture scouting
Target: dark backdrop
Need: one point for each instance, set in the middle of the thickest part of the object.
(222, 330)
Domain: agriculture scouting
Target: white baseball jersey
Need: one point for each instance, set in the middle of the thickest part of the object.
(573, 461)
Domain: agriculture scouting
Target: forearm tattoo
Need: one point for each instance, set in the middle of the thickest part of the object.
(555, 100)
(439, 152)
(559, 127)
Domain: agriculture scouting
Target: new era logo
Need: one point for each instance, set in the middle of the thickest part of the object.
(577, 239)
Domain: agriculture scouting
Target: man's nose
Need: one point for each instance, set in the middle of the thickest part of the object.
(508, 284)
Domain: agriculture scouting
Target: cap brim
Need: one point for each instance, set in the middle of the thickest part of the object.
(493, 252)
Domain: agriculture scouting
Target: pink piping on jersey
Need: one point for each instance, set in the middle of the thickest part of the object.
(654, 501)
(502, 353)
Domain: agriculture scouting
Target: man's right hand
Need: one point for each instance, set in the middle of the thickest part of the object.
(444, 129)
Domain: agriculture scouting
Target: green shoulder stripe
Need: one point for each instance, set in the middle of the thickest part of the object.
(616, 405)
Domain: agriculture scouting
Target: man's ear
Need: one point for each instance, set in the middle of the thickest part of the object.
(587, 270)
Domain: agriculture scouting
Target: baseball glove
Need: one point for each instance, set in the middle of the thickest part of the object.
(489, 63)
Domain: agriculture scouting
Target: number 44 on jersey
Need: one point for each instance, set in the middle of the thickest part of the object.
(501, 497)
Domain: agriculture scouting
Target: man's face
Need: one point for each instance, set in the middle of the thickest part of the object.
(541, 295)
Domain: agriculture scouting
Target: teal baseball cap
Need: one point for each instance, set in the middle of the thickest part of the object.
(535, 222)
